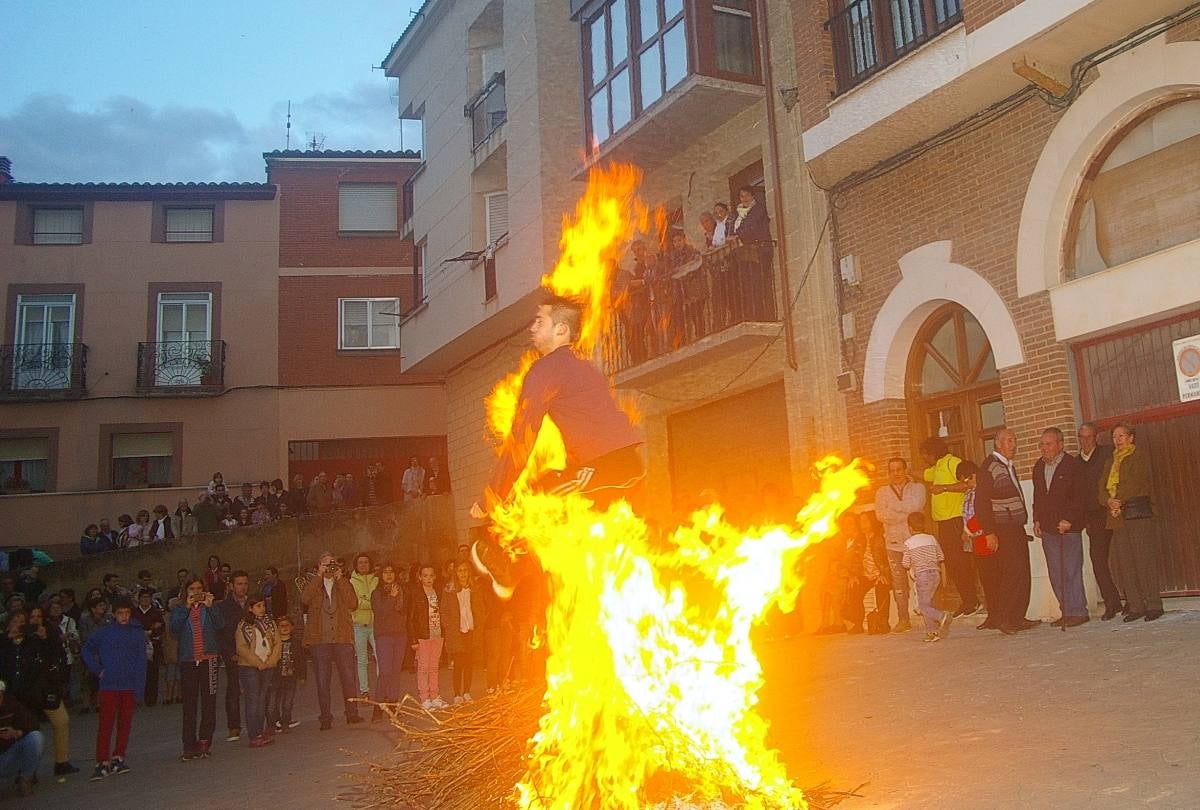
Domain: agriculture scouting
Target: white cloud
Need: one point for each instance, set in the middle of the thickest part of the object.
(51, 139)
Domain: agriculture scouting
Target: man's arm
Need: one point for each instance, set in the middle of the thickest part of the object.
(983, 500)
(532, 406)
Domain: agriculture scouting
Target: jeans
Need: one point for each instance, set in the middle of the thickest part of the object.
(464, 664)
(22, 757)
(233, 693)
(389, 654)
(325, 657)
(899, 585)
(198, 689)
(1064, 561)
(281, 696)
(429, 651)
(364, 634)
(927, 585)
(254, 683)
(114, 706)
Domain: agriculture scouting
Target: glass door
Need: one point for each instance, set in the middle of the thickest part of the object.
(45, 333)
(184, 353)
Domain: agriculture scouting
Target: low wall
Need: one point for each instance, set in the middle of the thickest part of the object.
(401, 533)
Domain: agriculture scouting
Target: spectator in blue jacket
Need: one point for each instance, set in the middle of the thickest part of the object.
(93, 542)
(196, 622)
(116, 653)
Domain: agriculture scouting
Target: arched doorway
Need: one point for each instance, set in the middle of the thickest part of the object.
(952, 385)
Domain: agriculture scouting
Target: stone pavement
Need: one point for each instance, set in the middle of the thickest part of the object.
(1102, 716)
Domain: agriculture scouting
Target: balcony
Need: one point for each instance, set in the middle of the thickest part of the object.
(653, 88)
(488, 111)
(181, 368)
(869, 35)
(696, 313)
(39, 371)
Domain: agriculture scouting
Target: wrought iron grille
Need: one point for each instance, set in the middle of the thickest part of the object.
(181, 365)
(869, 35)
(31, 370)
(488, 110)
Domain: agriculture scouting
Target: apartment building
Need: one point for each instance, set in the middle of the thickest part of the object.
(516, 100)
(1014, 187)
(133, 355)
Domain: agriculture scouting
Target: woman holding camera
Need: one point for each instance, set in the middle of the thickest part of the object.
(195, 623)
(1125, 489)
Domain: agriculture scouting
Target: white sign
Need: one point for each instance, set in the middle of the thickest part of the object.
(1187, 367)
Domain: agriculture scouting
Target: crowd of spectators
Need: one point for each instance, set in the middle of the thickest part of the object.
(678, 293)
(974, 556)
(153, 644)
(215, 509)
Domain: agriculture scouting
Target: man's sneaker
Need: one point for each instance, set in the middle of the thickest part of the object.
(492, 560)
(438, 703)
(64, 769)
(944, 624)
(235, 734)
(467, 697)
(189, 754)
(205, 748)
(260, 741)
(100, 772)
(458, 699)
(902, 627)
(427, 705)
(293, 723)
(326, 725)
(119, 766)
(932, 637)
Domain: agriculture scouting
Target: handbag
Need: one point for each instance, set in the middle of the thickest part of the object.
(1137, 508)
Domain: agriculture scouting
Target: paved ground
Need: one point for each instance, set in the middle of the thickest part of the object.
(1103, 716)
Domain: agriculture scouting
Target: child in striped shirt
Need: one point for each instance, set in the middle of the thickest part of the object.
(923, 557)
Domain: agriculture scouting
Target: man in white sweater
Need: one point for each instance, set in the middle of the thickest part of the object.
(893, 504)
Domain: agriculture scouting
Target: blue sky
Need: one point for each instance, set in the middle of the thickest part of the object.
(132, 90)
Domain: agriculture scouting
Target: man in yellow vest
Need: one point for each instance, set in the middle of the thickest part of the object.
(946, 493)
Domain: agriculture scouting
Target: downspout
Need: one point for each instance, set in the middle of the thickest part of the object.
(785, 284)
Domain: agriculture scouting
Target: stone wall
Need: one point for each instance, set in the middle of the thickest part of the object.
(402, 533)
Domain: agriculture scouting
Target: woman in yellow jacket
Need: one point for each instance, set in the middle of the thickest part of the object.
(258, 650)
(364, 583)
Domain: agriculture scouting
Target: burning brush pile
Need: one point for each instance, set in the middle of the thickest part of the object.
(651, 679)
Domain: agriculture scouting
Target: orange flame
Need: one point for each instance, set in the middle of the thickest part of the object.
(651, 679)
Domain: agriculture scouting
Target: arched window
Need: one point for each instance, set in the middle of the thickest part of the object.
(953, 385)
(1142, 192)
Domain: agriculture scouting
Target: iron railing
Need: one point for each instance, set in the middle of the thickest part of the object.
(869, 35)
(43, 370)
(181, 366)
(680, 303)
(488, 110)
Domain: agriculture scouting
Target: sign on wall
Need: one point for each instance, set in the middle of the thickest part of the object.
(1187, 367)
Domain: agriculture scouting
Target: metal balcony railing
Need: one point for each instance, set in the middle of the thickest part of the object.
(184, 366)
(488, 110)
(869, 35)
(680, 303)
(43, 370)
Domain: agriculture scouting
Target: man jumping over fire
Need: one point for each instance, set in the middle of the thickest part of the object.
(603, 449)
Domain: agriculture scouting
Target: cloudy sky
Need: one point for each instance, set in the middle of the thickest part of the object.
(145, 90)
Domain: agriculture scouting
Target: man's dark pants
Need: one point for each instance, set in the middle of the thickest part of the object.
(1013, 559)
(959, 564)
(1099, 543)
(233, 693)
(194, 689)
(325, 658)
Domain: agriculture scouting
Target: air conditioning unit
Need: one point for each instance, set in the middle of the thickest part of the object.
(849, 326)
(847, 382)
(848, 267)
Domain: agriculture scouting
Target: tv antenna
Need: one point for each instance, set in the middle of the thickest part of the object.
(288, 141)
(315, 142)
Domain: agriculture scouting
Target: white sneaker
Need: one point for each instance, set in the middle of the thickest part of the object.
(466, 697)
(458, 699)
(438, 703)
(427, 705)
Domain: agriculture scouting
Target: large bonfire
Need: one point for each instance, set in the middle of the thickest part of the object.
(651, 679)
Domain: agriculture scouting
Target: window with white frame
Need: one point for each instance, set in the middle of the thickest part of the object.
(495, 212)
(142, 460)
(189, 225)
(58, 226)
(368, 323)
(24, 464)
(367, 207)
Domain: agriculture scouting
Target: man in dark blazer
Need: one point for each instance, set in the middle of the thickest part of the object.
(1059, 515)
(1094, 457)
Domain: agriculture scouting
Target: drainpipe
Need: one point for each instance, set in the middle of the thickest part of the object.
(785, 284)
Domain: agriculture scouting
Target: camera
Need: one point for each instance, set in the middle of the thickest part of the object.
(333, 567)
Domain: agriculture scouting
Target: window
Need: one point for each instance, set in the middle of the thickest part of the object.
(189, 225)
(412, 133)
(58, 226)
(142, 460)
(367, 207)
(368, 323)
(24, 464)
(733, 35)
(495, 216)
(184, 354)
(870, 34)
(43, 355)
